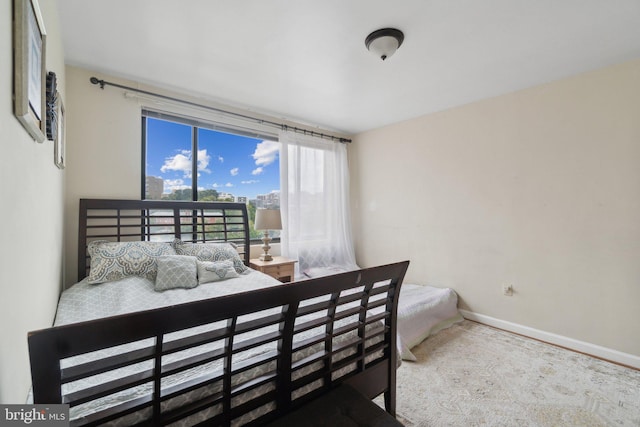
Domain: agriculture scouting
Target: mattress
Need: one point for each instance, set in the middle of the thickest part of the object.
(84, 301)
(423, 311)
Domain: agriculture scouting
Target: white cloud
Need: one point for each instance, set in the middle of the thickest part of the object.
(266, 152)
(221, 159)
(257, 171)
(216, 185)
(203, 161)
(251, 181)
(234, 171)
(181, 162)
(171, 185)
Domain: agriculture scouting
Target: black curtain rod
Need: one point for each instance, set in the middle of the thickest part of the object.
(103, 83)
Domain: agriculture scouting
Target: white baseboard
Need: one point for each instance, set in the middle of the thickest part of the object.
(570, 343)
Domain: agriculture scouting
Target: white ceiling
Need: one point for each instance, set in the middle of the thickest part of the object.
(305, 60)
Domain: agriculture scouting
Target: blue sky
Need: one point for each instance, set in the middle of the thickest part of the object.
(227, 163)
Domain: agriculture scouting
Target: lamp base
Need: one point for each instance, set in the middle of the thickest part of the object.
(265, 257)
(265, 247)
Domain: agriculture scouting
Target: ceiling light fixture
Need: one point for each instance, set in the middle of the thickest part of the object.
(384, 43)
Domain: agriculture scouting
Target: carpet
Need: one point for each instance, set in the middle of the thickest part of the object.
(476, 375)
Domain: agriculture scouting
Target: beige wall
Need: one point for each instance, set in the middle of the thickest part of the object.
(104, 160)
(539, 189)
(31, 190)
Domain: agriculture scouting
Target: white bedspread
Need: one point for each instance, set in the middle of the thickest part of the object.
(423, 311)
(83, 301)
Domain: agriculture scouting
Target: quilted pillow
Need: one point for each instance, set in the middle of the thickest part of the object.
(176, 271)
(214, 271)
(117, 260)
(211, 252)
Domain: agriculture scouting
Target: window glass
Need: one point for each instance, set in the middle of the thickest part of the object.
(168, 163)
(226, 167)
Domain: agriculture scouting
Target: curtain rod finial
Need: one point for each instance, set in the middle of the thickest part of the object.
(95, 81)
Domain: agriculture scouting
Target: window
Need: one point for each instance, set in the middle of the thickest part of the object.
(229, 165)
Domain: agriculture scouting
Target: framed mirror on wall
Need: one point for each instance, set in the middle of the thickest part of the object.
(29, 74)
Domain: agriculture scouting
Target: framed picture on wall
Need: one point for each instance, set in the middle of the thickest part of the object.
(59, 142)
(29, 75)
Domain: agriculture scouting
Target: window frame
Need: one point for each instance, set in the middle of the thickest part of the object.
(195, 124)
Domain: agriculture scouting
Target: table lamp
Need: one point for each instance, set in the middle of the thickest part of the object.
(267, 219)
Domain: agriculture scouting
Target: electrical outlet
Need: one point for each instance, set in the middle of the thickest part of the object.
(507, 290)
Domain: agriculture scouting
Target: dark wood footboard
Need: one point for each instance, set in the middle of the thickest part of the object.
(304, 338)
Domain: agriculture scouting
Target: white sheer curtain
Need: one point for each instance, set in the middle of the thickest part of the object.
(314, 202)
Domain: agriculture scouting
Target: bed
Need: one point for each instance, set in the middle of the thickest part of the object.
(239, 351)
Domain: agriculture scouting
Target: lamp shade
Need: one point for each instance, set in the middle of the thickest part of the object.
(268, 219)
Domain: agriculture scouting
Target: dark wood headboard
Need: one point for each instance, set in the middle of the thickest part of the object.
(160, 220)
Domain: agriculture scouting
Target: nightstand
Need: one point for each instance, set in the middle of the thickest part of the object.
(280, 268)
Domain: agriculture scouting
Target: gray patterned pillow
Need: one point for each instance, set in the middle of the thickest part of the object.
(176, 271)
(211, 252)
(117, 260)
(210, 271)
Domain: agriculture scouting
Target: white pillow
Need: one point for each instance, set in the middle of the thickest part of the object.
(214, 271)
(176, 271)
